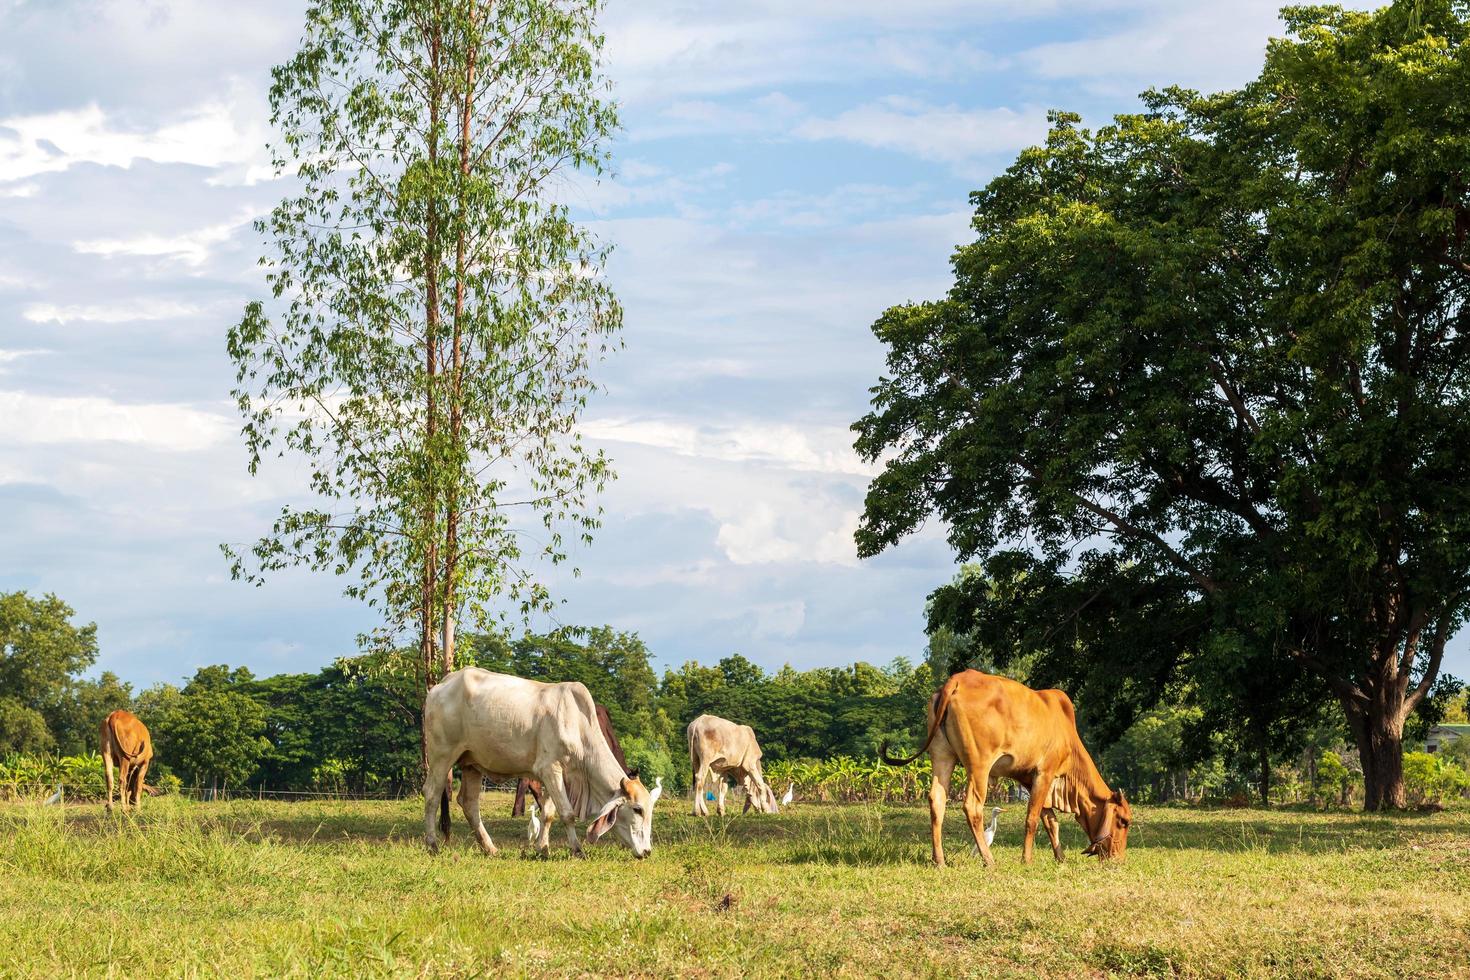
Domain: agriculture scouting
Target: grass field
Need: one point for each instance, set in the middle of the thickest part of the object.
(338, 888)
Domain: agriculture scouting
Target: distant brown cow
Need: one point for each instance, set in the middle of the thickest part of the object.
(531, 786)
(125, 740)
(995, 726)
(524, 786)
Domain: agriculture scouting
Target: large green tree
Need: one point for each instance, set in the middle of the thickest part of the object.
(213, 731)
(1223, 342)
(436, 311)
(40, 651)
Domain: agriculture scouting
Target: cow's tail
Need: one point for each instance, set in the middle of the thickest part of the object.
(940, 707)
(130, 753)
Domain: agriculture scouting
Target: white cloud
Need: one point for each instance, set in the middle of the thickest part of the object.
(717, 49)
(820, 449)
(773, 114)
(760, 534)
(7, 356)
(121, 312)
(33, 419)
(944, 134)
(191, 247)
(216, 134)
(778, 620)
(1210, 46)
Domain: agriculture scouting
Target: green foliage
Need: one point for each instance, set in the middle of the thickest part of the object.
(828, 711)
(1432, 778)
(211, 732)
(1455, 709)
(653, 760)
(1333, 779)
(37, 776)
(1205, 364)
(1444, 701)
(1458, 752)
(22, 728)
(843, 779)
(42, 705)
(77, 717)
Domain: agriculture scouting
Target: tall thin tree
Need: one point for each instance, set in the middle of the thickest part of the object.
(436, 311)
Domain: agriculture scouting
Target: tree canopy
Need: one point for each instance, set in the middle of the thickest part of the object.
(1214, 355)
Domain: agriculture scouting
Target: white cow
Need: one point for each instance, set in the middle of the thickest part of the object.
(722, 748)
(507, 727)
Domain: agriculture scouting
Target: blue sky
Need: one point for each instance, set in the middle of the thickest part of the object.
(786, 171)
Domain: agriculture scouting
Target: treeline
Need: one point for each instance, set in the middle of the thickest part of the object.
(354, 725)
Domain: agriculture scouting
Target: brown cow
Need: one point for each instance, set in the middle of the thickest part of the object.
(996, 726)
(126, 740)
(533, 787)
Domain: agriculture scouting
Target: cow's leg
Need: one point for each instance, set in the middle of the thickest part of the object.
(975, 794)
(1040, 791)
(701, 776)
(724, 788)
(471, 785)
(548, 817)
(139, 771)
(1049, 821)
(554, 786)
(123, 774)
(107, 770)
(436, 782)
(944, 763)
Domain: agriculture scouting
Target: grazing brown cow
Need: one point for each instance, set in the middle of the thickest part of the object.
(996, 726)
(125, 740)
(532, 786)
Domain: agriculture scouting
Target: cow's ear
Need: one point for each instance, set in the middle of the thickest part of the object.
(605, 819)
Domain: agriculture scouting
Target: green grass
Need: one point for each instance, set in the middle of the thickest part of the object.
(330, 888)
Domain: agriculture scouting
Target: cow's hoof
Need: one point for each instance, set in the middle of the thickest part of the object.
(432, 846)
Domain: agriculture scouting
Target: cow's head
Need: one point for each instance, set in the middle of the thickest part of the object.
(1111, 838)
(629, 814)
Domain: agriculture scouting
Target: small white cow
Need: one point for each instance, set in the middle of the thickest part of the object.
(721, 748)
(508, 727)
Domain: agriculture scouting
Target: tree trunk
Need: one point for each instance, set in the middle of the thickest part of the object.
(1379, 733)
(428, 505)
(1312, 774)
(448, 651)
(1265, 778)
(457, 360)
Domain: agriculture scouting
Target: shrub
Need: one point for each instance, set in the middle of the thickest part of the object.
(1429, 778)
(1333, 778)
(652, 760)
(33, 775)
